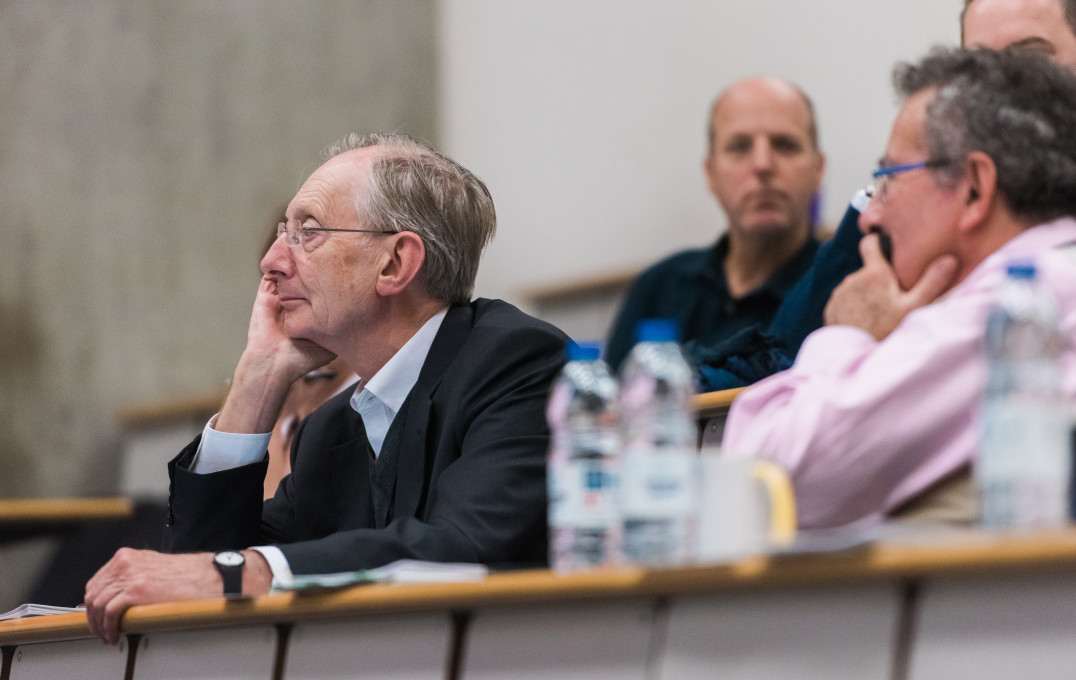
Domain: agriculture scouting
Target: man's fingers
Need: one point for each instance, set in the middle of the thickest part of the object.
(137, 577)
(96, 602)
(870, 249)
(110, 619)
(831, 313)
(103, 591)
(936, 279)
(92, 599)
(93, 617)
(104, 612)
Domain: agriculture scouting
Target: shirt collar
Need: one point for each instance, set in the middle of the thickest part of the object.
(394, 381)
(1031, 243)
(779, 283)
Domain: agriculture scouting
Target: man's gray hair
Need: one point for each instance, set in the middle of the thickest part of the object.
(414, 188)
(1016, 107)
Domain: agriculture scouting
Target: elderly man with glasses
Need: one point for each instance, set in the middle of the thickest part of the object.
(439, 451)
(879, 412)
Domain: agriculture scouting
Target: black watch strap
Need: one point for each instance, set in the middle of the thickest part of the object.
(230, 565)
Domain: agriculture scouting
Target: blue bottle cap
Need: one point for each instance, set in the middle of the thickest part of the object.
(657, 330)
(583, 351)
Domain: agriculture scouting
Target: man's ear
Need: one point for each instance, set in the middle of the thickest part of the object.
(708, 170)
(820, 170)
(979, 188)
(406, 253)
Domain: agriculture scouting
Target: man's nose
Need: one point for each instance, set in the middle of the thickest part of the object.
(762, 155)
(278, 258)
(870, 217)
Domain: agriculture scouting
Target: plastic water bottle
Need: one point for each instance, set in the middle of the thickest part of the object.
(1023, 468)
(584, 456)
(658, 494)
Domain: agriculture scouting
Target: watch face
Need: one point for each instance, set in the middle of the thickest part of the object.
(229, 558)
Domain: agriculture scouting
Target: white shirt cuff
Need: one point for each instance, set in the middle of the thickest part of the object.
(226, 450)
(278, 564)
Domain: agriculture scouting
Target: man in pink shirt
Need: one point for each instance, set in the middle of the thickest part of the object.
(980, 169)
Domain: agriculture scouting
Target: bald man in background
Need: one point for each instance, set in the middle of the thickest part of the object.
(764, 167)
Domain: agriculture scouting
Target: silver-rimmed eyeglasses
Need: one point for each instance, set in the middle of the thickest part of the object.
(302, 235)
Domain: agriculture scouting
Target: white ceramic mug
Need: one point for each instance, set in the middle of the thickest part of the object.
(745, 506)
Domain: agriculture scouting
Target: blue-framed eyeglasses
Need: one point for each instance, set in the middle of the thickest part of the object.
(881, 176)
(301, 235)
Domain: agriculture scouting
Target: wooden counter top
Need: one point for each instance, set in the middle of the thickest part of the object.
(195, 407)
(930, 555)
(714, 404)
(708, 405)
(60, 510)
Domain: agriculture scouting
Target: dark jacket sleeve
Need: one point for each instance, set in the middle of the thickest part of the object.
(215, 511)
(800, 312)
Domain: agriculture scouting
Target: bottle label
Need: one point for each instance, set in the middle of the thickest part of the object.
(1024, 462)
(658, 482)
(582, 493)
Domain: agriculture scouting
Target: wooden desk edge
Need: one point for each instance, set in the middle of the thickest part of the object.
(33, 510)
(580, 288)
(195, 407)
(708, 404)
(714, 404)
(963, 554)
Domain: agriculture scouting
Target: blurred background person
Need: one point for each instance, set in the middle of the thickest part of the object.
(764, 167)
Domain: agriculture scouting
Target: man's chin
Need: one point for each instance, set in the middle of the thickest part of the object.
(295, 326)
(769, 226)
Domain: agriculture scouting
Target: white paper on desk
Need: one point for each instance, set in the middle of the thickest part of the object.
(400, 571)
(25, 610)
(863, 534)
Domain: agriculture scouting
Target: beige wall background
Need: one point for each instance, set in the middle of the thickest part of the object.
(145, 152)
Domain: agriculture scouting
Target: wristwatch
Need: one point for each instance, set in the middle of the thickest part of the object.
(230, 565)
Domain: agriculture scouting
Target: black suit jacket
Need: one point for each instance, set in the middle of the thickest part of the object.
(471, 479)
